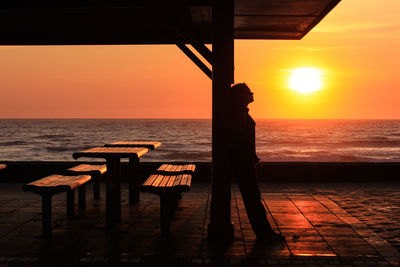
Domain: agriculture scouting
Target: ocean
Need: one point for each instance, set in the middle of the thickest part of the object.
(190, 139)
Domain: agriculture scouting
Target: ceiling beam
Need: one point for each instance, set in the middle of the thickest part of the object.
(200, 47)
(87, 4)
(195, 59)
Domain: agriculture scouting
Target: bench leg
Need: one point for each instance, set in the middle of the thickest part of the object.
(134, 183)
(131, 194)
(165, 214)
(82, 196)
(179, 195)
(71, 203)
(113, 193)
(46, 214)
(136, 186)
(96, 188)
(173, 204)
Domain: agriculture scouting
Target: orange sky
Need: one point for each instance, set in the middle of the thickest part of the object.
(356, 46)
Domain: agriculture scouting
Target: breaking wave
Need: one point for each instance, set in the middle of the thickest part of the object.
(190, 140)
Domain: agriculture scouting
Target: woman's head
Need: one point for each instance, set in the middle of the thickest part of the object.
(241, 94)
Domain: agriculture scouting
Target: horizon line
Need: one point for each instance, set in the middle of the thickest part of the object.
(105, 118)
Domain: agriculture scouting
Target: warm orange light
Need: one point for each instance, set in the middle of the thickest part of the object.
(305, 80)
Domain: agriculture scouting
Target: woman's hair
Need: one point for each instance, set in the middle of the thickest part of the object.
(238, 93)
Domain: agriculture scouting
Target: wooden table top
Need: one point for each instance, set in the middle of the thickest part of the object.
(111, 152)
(148, 144)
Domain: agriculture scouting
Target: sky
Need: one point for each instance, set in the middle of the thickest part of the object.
(356, 48)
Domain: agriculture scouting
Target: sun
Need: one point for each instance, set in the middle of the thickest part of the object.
(305, 80)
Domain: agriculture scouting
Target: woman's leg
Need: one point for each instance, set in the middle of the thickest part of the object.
(248, 185)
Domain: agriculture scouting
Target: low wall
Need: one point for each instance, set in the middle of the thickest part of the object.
(268, 171)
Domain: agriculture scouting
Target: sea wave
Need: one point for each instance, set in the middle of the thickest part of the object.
(323, 157)
(188, 155)
(66, 148)
(372, 143)
(54, 136)
(317, 141)
(13, 143)
(276, 140)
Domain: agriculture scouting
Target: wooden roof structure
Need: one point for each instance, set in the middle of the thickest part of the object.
(179, 22)
(96, 22)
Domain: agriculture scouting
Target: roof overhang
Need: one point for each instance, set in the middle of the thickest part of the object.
(84, 22)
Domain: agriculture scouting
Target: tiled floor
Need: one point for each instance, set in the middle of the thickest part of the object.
(324, 224)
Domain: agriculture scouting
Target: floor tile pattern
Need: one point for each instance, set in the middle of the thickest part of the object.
(324, 224)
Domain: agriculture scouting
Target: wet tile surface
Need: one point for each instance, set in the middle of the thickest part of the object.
(324, 224)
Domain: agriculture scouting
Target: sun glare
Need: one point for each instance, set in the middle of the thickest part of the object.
(305, 80)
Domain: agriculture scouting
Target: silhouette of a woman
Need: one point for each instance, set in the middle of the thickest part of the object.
(244, 158)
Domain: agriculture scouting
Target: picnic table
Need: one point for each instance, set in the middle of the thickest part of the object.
(113, 156)
(134, 193)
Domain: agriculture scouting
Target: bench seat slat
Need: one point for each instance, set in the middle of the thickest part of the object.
(176, 168)
(163, 182)
(87, 168)
(162, 167)
(187, 180)
(166, 180)
(56, 183)
(150, 180)
(183, 181)
(157, 181)
(181, 168)
(167, 183)
(170, 183)
(190, 167)
(170, 168)
(167, 169)
(178, 179)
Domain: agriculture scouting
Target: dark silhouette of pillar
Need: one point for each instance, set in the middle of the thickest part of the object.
(220, 227)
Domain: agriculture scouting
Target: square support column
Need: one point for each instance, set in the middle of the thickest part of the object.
(220, 227)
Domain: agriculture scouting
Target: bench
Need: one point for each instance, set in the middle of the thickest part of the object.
(95, 171)
(169, 181)
(168, 168)
(175, 168)
(54, 184)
